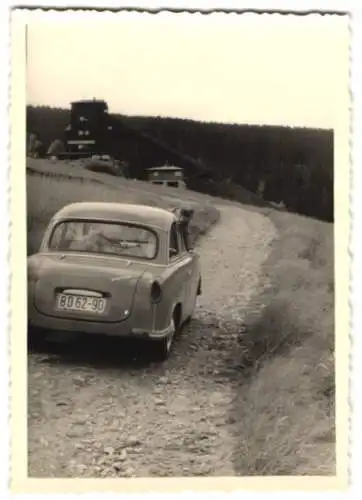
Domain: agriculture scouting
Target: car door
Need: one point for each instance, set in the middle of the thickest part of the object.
(191, 274)
(179, 261)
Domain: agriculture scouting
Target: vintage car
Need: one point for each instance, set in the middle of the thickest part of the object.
(113, 269)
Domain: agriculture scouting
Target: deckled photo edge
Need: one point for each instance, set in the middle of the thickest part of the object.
(19, 478)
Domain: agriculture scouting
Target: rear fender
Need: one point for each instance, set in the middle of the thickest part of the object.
(153, 316)
(143, 315)
(174, 287)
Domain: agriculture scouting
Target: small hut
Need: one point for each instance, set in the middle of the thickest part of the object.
(167, 175)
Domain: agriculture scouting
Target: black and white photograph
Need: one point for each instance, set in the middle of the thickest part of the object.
(186, 270)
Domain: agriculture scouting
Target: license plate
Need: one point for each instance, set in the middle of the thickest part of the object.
(82, 303)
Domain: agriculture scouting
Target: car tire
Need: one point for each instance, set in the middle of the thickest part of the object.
(161, 348)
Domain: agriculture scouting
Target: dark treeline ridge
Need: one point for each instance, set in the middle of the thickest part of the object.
(282, 164)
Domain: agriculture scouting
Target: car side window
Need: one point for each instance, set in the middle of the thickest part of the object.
(174, 248)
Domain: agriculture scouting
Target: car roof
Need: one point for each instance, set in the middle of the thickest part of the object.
(140, 214)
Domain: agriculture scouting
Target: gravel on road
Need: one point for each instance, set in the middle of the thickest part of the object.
(100, 409)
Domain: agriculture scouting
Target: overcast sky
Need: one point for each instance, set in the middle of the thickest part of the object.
(266, 69)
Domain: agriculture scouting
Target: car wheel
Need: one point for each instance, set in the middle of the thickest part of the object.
(161, 348)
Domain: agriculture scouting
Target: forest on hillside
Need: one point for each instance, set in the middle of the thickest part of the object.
(281, 164)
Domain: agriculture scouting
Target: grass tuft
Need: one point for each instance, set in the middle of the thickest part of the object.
(286, 423)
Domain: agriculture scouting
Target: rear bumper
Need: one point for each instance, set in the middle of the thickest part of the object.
(124, 328)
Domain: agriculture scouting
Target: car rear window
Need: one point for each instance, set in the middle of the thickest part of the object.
(124, 240)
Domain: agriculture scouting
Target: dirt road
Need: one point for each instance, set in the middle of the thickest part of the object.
(94, 412)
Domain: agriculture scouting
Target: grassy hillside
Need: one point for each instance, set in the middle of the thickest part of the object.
(289, 165)
(60, 184)
(288, 408)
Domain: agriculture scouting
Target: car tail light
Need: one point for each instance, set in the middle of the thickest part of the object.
(156, 292)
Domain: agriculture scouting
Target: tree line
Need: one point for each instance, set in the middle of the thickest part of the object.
(293, 166)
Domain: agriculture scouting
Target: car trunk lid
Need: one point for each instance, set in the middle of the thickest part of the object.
(94, 288)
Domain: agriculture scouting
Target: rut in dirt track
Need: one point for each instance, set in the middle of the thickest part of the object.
(93, 412)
